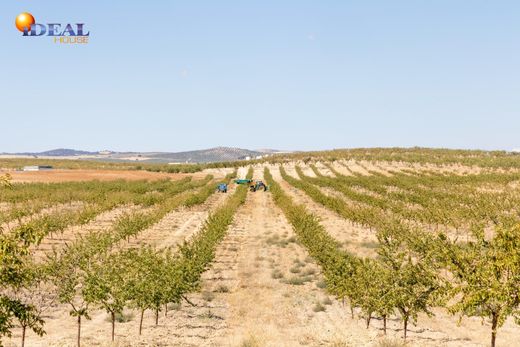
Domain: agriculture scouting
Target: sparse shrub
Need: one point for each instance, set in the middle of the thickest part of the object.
(121, 317)
(295, 269)
(339, 344)
(251, 341)
(369, 244)
(386, 342)
(327, 301)
(309, 271)
(208, 296)
(298, 262)
(222, 288)
(208, 315)
(296, 281)
(174, 306)
(276, 274)
(318, 307)
(306, 279)
(321, 284)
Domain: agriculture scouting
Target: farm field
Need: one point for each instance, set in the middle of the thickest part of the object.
(343, 249)
(62, 175)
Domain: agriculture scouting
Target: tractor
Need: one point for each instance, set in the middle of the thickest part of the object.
(257, 185)
(222, 188)
(254, 185)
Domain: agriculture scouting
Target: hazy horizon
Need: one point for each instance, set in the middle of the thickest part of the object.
(251, 149)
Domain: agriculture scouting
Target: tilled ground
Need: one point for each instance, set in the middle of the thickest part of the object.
(262, 289)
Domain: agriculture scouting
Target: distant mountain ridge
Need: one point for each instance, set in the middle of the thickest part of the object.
(217, 154)
(59, 152)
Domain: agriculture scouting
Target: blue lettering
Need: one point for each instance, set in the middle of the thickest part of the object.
(68, 30)
(80, 30)
(43, 29)
(53, 29)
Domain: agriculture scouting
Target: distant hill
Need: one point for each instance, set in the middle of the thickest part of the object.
(217, 154)
(60, 152)
(63, 152)
(207, 155)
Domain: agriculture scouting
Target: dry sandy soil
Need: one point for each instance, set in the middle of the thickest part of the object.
(262, 289)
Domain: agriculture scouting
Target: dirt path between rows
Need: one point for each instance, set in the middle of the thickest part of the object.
(439, 330)
(100, 223)
(55, 208)
(354, 238)
(180, 224)
(269, 290)
(170, 231)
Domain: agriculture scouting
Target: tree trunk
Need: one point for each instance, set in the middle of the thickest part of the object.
(352, 311)
(494, 324)
(156, 317)
(141, 322)
(79, 330)
(405, 326)
(384, 323)
(113, 314)
(166, 310)
(369, 317)
(24, 328)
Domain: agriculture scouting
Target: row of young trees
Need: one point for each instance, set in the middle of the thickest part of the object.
(142, 278)
(440, 200)
(415, 270)
(14, 274)
(27, 200)
(411, 156)
(92, 273)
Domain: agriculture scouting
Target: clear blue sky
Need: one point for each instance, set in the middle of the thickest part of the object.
(179, 75)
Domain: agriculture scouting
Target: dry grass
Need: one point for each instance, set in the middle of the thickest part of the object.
(386, 342)
(208, 296)
(221, 288)
(250, 341)
(318, 307)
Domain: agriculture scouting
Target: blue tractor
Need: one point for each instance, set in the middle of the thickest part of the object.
(222, 188)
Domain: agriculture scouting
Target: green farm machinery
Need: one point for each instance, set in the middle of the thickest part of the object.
(254, 185)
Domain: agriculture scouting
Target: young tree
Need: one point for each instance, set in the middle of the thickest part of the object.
(341, 282)
(375, 294)
(36, 296)
(416, 285)
(15, 274)
(487, 273)
(68, 276)
(147, 281)
(106, 284)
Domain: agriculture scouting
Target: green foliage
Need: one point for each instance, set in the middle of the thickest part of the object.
(15, 275)
(5, 181)
(488, 275)
(398, 280)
